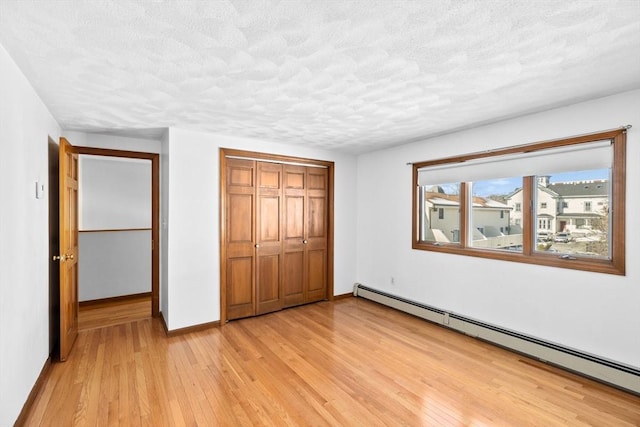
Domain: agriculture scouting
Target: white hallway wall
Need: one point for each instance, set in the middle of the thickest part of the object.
(114, 194)
(113, 264)
(596, 313)
(193, 252)
(25, 126)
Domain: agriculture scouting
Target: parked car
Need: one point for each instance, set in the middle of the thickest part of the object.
(562, 237)
(544, 236)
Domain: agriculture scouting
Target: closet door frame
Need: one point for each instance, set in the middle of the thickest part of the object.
(266, 157)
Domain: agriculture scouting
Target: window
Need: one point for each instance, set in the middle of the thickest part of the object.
(440, 227)
(488, 203)
(485, 216)
(579, 233)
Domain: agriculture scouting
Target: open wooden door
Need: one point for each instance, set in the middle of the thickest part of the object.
(68, 256)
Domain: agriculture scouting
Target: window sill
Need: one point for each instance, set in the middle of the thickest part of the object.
(550, 260)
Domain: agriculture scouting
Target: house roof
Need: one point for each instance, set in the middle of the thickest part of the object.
(581, 188)
(513, 193)
(595, 188)
(441, 199)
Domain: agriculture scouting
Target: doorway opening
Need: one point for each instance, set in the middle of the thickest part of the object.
(118, 236)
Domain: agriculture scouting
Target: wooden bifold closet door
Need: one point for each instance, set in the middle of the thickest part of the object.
(276, 245)
(305, 234)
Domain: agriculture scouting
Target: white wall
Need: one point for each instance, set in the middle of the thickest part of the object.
(596, 313)
(114, 193)
(25, 126)
(193, 270)
(113, 264)
(164, 228)
(114, 205)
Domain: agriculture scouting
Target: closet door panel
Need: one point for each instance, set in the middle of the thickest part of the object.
(240, 294)
(294, 226)
(316, 235)
(239, 223)
(269, 214)
(317, 281)
(294, 177)
(293, 278)
(317, 179)
(317, 218)
(294, 218)
(269, 239)
(268, 284)
(239, 214)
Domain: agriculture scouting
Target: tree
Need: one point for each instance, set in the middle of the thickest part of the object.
(601, 225)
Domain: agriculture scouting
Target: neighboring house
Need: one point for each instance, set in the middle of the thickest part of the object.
(546, 209)
(442, 216)
(442, 211)
(580, 203)
(564, 206)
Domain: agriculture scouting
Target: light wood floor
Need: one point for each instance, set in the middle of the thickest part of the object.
(349, 363)
(110, 313)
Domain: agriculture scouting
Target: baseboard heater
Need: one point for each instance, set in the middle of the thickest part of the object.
(616, 374)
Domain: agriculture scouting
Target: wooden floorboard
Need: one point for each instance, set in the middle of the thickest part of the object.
(350, 362)
(114, 312)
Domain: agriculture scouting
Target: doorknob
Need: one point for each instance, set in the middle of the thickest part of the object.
(257, 245)
(61, 258)
(304, 241)
(70, 256)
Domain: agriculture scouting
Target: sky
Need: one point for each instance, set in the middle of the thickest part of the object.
(507, 185)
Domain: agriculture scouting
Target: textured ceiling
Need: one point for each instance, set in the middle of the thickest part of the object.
(346, 75)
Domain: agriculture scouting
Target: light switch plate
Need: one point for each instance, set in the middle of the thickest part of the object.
(39, 190)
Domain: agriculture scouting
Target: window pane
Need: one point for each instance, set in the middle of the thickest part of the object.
(496, 214)
(576, 221)
(440, 215)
